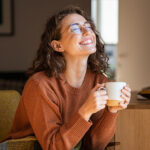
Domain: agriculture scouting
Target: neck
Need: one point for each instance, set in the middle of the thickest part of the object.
(75, 71)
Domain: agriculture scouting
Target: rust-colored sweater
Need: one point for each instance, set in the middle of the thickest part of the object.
(49, 108)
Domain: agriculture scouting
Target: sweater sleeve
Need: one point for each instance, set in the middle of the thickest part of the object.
(101, 132)
(45, 118)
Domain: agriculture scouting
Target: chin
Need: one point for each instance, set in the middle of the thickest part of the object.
(88, 50)
(92, 50)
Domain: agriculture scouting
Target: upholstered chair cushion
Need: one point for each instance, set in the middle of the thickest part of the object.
(9, 100)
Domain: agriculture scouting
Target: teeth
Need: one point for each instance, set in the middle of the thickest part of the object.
(86, 42)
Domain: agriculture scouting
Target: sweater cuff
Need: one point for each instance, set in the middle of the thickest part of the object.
(78, 126)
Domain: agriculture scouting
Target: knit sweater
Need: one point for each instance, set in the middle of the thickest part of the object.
(49, 109)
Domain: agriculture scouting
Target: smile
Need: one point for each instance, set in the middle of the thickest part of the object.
(86, 42)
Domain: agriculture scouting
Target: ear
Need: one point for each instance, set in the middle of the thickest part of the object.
(56, 45)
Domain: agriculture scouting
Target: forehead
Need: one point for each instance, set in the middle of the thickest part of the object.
(72, 18)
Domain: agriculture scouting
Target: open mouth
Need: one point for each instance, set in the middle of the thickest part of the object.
(87, 41)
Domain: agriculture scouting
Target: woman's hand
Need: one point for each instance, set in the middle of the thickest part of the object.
(96, 101)
(126, 95)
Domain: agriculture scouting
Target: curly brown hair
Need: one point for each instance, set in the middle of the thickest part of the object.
(53, 62)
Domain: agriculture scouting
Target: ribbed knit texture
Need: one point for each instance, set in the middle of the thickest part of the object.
(49, 109)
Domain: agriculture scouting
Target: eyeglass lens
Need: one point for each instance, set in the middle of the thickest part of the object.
(78, 29)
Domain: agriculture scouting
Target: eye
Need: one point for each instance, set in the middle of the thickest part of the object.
(75, 29)
(88, 27)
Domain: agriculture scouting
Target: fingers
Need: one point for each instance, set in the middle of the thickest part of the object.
(126, 100)
(97, 87)
(101, 99)
(126, 91)
(100, 93)
(128, 88)
(124, 104)
(126, 95)
(99, 107)
(101, 102)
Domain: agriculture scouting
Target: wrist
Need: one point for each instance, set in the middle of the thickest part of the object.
(84, 114)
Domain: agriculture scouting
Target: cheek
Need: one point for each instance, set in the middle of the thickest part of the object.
(94, 36)
(74, 40)
(71, 42)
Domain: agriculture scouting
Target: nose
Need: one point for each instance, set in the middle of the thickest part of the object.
(85, 31)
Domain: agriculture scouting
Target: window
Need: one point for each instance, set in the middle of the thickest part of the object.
(105, 15)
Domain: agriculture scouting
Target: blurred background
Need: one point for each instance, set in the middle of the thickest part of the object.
(123, 24)
(124, 27)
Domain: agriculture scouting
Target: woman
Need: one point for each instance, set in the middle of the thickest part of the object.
(61, 104)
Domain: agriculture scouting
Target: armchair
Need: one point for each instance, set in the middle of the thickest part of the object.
(9, 100)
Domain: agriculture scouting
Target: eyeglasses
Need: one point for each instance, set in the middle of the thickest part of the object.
(78, 29)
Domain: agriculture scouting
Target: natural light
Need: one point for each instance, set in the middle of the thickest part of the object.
(105, 16)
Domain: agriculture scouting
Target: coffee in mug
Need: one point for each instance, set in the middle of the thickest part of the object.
(114, 93)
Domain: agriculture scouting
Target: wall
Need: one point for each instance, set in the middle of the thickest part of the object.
(18, 51)
(134, 43)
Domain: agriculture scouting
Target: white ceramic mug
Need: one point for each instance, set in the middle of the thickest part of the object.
(114, 93)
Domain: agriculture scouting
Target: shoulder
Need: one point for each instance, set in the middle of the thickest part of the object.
(41, 81)
(42, 85)
(41, 78)
(38, 90)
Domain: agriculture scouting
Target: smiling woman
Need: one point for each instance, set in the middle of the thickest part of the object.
(80, 36)
(56, 27)
(61, 104)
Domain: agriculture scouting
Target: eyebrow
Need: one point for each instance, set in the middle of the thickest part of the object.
(78, 23)
(74, 24)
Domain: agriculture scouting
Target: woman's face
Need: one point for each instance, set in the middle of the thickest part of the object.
(77, 37)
